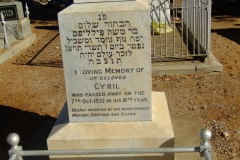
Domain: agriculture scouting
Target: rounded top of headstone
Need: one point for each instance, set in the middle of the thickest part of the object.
(13, 139)
(205, 135)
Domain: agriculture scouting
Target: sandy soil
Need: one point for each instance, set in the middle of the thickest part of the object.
(33, 90)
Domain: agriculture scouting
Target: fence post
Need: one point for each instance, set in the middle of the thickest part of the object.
(209, 12)
(6, 44)
(205, 147)
(27, 11)
(13, 140)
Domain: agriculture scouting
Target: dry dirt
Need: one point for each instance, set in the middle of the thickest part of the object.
(33, 90)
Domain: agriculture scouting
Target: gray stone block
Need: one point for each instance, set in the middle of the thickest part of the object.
(16, 23)
(15, 48)
(12, 10)
(11, 39)
(19, 28)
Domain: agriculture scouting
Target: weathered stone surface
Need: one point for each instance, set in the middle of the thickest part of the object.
(16, 23)
(160, 11)
(107, 63)
(113, 135)
(12, 10)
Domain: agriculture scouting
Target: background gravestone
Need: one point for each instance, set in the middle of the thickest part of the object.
(160, 11)
(16, 24)
(12, 11)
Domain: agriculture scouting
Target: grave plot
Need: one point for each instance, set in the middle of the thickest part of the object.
(180, 29)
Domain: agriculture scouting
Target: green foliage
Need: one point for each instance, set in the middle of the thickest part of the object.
(156, 25)
(162, 25)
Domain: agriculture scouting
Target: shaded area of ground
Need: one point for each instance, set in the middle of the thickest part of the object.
(229, 33)
(19, 121)
(226, 7)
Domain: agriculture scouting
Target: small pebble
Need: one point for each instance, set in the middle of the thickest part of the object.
(225, 134)
(204, 107)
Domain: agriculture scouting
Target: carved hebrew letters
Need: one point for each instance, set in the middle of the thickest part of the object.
(104, 40)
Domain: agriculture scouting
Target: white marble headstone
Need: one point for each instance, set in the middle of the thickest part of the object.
(107, 63)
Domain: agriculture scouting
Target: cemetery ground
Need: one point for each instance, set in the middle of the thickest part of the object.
(33, 90)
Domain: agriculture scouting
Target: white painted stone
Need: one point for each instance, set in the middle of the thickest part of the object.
(16, 23)
(12, 10)
(159, 12)
(98, 41)
(162, 16)
(113, 135)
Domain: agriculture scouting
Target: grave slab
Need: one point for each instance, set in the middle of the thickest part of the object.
(113, 135)
(16, 47)
(186, 132)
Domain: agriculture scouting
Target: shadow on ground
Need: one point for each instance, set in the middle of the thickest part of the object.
(24, 123)
(42, 52)
(45, 12)
(48, 27)
(226, 7)
(229, 33)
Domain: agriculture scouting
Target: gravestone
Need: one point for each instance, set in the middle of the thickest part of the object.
(160, 11)
(108, 52)
(16, 24)
(107, 69)
(12, 10)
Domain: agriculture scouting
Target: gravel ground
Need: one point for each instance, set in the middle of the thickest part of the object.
(214, 98)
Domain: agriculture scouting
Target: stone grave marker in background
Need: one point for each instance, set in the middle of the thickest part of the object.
(16, 24)
(160, 11)
(15, 31)
(107, 69)
(12, 11)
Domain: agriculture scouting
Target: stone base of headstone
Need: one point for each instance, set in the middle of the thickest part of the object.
(19, 28)
(115, 135)
(11, 39)
(15, 48)
(25, 28)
